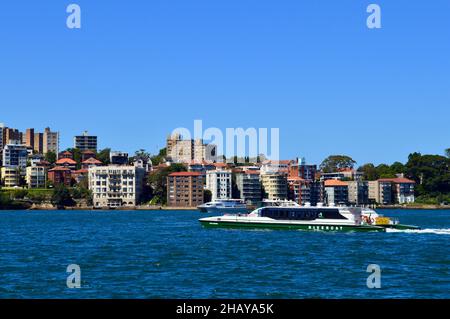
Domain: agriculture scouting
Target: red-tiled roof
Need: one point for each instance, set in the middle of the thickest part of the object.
(398, 180)
(88, 152)
(59, 168)
(65, 161)
(92, 161)
(334, 182)
(295, 178)
(186, 174)
(220, 164)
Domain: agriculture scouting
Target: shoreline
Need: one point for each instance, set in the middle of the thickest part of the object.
(166, 208)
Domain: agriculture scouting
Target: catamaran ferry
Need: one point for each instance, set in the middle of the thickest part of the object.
(314, 218)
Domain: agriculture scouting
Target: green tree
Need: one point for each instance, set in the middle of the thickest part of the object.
(370, 172)
(61, 197)
(76, 155)
(103, 156)
(50, 157)
(447, 152)
(398, 168)
(334, 163)
(158, 181)
(431, 173)
(384, 171)
(160, 158)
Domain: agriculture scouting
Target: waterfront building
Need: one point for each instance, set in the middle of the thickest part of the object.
(219, 182)
(116, 185)
(85, 142)
(381, 192)
(185, 151)
(15, 155)
(36, 176)
(67, 163)
(248, 184)
(275, 185)
(336, 192)
(118, 158)
(185, 189)
(358, 192)
(402, 189)
(60, 175)
(10, 176)
(303, 170)
(145, 163)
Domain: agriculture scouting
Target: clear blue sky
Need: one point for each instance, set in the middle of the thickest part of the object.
(138, 69)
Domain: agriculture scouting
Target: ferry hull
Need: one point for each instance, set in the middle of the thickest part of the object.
(284, 226)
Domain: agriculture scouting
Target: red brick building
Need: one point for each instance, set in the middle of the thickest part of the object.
(185, 189)
(60, 175)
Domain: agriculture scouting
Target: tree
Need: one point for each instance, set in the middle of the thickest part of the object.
(334, 163)
(384, 171)
(104, 156)
(160, 158)
(447, 152)
(431, 173)
(61, 197)
(398, 168)
(370, 172)
(207, 196)
(50, 157)
(158, 181)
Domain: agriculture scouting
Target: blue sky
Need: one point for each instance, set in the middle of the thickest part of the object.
(139, 69)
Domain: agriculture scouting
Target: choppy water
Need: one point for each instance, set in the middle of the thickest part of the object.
(135, 254)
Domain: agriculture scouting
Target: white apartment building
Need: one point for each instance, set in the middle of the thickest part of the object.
(36, 176)
(116, 186)
(219, 183)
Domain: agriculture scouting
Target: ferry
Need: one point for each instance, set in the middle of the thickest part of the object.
(224, 206)
(313, 218)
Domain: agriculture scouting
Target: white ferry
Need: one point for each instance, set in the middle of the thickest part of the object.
(224, 206)
(317, 218)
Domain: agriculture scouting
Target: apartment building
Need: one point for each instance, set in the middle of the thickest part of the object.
(381, 192)
(388, 191)
(36, 176)
(219, 182)
(180, 150)
(10, 176)
(60, 175)
(185, 189)
(118, 158)
(336, 192)
(50, 141)
(15, 155)
(248, 184)
(358, 192)
(42, 143)
(85, 142)
(274, 184)
(116, 186)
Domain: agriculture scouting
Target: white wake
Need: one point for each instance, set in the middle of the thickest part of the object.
(443, 231)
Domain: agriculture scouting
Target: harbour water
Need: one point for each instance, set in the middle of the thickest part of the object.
(167, 254)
